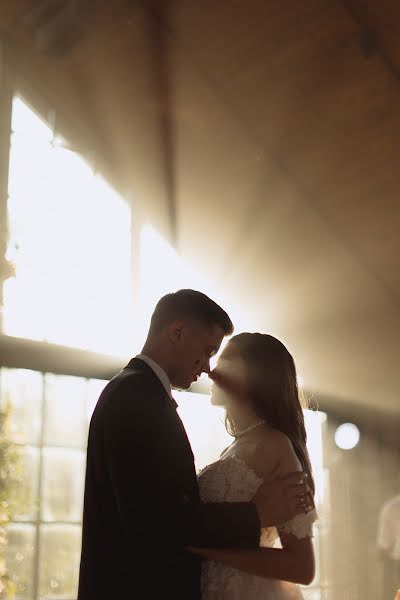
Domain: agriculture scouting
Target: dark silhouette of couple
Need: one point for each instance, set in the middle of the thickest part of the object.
(152, 528)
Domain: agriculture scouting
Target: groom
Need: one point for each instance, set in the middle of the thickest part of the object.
(142, 504)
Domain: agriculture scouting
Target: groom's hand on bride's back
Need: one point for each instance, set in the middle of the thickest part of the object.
(282, 499)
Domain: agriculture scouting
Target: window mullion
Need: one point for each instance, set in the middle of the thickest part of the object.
(20, 353)
(36, 566)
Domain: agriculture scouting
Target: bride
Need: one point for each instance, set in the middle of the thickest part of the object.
(255, 380)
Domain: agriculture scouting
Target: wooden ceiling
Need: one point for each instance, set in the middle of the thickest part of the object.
(264, 137)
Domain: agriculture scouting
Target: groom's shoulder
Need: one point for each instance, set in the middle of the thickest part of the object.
(130, 381)
(126, 392)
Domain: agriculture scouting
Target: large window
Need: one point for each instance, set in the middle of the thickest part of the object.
(49, 416)
(69, 252)
(69, 242)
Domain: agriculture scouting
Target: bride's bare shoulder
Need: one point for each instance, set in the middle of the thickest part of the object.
(273, 453)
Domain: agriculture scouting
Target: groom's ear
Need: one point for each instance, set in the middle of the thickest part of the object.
(176, 331)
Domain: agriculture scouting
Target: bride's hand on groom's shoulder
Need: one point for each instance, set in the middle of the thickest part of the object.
(283, 498)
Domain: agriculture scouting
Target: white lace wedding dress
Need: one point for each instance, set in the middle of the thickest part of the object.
(230, 479)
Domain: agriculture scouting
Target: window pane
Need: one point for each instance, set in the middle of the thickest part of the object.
(62, 484)
(66, 290)
(65, 411)
(19, 557)
(28, 493)
(60, 547)
(21, 390)
(28, 125)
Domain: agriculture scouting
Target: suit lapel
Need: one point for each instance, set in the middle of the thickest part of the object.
(185, 457)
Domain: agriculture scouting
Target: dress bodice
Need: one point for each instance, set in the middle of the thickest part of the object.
(230, 479)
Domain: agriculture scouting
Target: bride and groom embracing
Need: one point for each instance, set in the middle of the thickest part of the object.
(154, 530)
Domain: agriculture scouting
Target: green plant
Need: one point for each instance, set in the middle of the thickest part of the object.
(11, 497)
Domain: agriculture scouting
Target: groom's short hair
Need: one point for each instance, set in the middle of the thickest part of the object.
(189, 304)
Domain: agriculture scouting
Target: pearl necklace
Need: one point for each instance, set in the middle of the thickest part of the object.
(238, 434)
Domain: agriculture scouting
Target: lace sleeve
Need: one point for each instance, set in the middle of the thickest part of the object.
(301, 525)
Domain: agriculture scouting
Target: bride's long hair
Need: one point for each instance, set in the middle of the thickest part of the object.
(272, 383)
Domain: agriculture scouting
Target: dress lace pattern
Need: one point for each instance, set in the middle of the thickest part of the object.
(231, 480)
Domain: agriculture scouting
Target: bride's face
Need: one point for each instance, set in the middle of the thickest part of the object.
(229, 378)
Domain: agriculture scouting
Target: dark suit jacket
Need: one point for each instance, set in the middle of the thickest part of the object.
(142, 501)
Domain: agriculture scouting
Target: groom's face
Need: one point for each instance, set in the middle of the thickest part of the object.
(196, 344)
